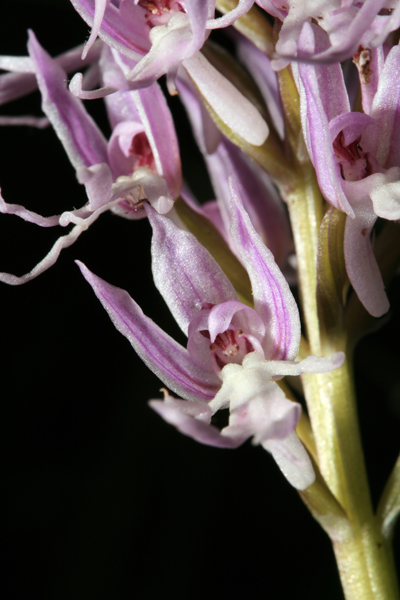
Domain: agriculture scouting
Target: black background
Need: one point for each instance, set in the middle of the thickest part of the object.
(100, 498)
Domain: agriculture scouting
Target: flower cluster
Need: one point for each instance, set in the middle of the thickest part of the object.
(348, 117)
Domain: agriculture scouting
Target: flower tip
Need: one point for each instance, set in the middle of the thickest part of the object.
(75, 85)
(85, 50)
(338, 359)
(163, 205)
(80, 264)
(83, 269)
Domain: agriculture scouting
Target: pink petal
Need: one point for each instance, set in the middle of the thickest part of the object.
(200, 431)
(273, 299)
(165, 357)
(184, 271)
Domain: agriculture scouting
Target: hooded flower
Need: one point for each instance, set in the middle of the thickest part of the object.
(234, 353)
(347, 23)
(140, 161)
(356, 155)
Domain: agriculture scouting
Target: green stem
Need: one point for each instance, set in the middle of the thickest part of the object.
(363, 555)
(366, 565)
(306, 211)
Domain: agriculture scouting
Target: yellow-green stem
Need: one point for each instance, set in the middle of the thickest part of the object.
(364, 557)
(306, 211)
(366, 565)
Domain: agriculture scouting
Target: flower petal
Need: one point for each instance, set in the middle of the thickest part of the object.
(165, 357)
(49, 260)
(385, 194)
(13, 85)
(293, 460)
(98, 182)
(171, 44)
(259, 66)
(99, 10)
(311, 364)
(259, 197)
(385, 110)
(184, 271)
(82, 224)
(118, 29)
(75, 87)
(80, 136)
(25, 120)
(175, 412)
(246, 318)
(273, 299)
(159, 127)
(361, 265)
(236, 112)
(27, 215)
(322, 98)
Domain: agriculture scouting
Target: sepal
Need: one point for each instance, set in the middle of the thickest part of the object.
(209, 237)
(184, 272)
(273, 299)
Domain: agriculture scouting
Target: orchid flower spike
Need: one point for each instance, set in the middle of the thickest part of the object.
(234, 353)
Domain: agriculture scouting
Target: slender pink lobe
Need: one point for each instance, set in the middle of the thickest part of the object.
(162, 354)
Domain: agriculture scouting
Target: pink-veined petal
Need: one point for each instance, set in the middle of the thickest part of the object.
(80, 136)
(163, 355)
(273, 299)
(322, 97)
(259, 66)
(118, 29)
(184, 272)
(99, 10)
(159, 128)
(385, 110)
